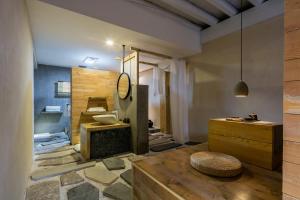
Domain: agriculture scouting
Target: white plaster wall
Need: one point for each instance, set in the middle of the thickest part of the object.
(16, 99)
(216, 71)
(146, 78)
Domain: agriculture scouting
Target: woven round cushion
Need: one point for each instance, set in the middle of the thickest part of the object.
(216, 164)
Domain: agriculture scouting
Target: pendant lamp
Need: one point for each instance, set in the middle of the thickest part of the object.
(241, 88)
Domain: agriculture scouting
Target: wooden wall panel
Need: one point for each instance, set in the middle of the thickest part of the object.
(291, 177)
(291, 152)
(89, 83)
(292, 45)
(291, 165)
(291, 17)
(292, 97)
(291, 127)
(288, 197)
(292, 70)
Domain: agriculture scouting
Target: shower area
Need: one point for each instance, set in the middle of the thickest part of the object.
(51, 107)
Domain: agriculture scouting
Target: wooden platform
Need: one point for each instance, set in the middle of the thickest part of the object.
(169, 176)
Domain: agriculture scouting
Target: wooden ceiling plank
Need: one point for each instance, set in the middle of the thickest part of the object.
(224, 6)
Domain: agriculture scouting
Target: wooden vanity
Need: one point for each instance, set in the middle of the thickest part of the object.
(100, 141)
(169, 176)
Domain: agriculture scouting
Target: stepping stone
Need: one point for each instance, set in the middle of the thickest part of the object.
(159, 141)
(59, 170)
(136, 158)
(85, 191)
(70, 178)
(118, 191)
(53, 148)
(48, 190)
(100, 175)
(114, 163)
(163, 147)
(60, 161)
(154, 130)
(153, 137)
(156, 134)
(55, 155)
(167, 136)
(127, 176)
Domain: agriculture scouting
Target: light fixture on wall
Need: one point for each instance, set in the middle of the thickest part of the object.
(241, 88)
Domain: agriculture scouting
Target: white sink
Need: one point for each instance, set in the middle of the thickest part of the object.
(106, 119)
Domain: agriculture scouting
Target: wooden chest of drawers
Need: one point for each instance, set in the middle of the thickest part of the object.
(258, 143)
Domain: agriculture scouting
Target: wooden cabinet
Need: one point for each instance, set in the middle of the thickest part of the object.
(257, 143)
(100, 141)
(110, 142)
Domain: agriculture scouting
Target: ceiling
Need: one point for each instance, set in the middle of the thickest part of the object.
(205, 13)
(65, 38)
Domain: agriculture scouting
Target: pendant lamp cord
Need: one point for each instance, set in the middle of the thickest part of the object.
(241, 40)
(123, 57)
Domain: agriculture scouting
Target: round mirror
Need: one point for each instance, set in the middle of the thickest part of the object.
(123, 85)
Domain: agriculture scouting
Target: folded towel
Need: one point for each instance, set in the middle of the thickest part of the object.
(96, 109)
(52, 108)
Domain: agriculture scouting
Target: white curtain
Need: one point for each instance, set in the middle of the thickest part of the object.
(158, 81)
(179, 96)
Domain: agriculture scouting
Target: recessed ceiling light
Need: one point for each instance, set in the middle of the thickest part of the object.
(90, 60)
(109, 42)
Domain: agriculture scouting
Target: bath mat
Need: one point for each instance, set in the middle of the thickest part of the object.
(163, 147)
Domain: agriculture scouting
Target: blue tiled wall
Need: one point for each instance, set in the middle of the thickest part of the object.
(44, 95)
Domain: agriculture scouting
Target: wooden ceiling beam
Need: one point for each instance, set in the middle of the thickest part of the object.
(256, 2)
(223, 6)
(189, 9)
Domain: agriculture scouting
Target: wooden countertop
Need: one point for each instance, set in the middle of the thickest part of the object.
(170, 176)
(95, 126)
(260, 122)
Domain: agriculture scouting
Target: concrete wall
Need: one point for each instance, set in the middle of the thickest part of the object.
(216, 71)
(45, 78)
(16, 99)
(146, 78)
